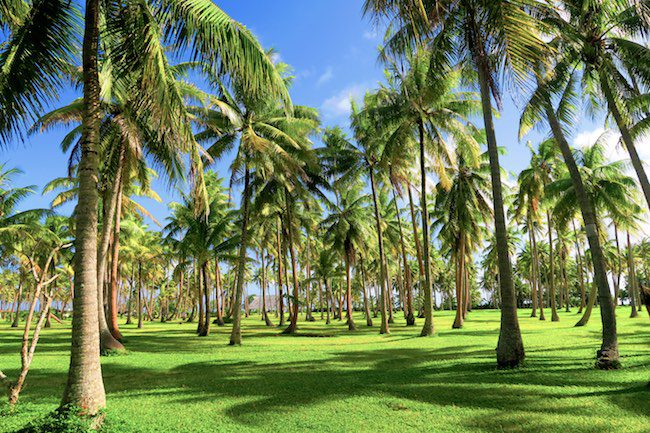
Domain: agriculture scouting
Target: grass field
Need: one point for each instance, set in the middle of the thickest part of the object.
(173, 381)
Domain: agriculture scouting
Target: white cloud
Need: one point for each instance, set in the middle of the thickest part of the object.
(326, 76)
(370, 34)
(339, 104)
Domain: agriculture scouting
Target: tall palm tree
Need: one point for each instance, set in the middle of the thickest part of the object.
(600, 37)
(346, 229)
(269, 145)
(493, 36)
(345, 161)
(423, 108)
(42, 44)
(461, 214)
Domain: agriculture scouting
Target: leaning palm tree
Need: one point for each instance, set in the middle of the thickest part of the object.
(493, 36)
(346, 229)
(602, 39)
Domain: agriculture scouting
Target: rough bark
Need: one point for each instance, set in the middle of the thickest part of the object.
(235, 336)
(85, 387)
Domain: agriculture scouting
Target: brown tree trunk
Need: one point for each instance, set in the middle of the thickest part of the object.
(85, 387)
(113, 325)
(632, 283)
(348, 292)
(607, 356)
(551, 263)
(384, 329)
(510, 348)
(235, 336)
(427, 288)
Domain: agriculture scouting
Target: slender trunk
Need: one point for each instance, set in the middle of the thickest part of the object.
(205, 329)
(15, 322)
(279, 261)
(235, 336)
(129, 301)
(616, 279)
(366, 304)
(293, 325)
(139, 294)
(348, 292)
(85, 386)
(408, 301)
(219, 296)
(427, 289)
(538, 278)
(533, 285)
(384, 329)
(607, 356)
(115, 268)
(510, 348)
(551, 263)
(583, 301)
(111, 197)
(460, 272)
(330, 301)
(632, 283)
(265, 315)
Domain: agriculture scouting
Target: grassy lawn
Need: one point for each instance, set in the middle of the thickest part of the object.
(173, 381)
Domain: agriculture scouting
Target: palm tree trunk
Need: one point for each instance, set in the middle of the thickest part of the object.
(113, 325)
(583, 301)
(458, 321)
(265, 315)
(139, 294)
(329, 300)
(384, 329)
(106, 339)
(279, 261)
(510, 348)
(607, 356)
(624, 128)
(85, 387)
(235, 336)
(293, 325)
(619, 266)
(408, 302)
(19, 296)
(366, 304)
(348, 292)
(551, 263)
(632, 283)
(205, 330)
(533, 285)
(538, 278)
(427, 288)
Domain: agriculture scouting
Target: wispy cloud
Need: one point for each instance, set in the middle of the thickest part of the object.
(338, 105)
(370, 35)
(325, 76)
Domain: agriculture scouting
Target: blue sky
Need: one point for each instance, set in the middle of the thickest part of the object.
(333, 51)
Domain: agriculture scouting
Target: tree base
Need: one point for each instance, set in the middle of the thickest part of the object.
(608, 359)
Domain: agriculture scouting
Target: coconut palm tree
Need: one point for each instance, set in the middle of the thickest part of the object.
(421, 107)
(346, 229)
(601, 39)
(493, 36)
(462, 211)
(345, 161)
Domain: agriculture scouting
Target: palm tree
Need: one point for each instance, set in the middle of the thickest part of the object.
(36, 56)
(424, 107)
(599, 38)
(348, 160)
(461, 213)
(272, 145)
(485, 30)
(204, 235)
(345, 228)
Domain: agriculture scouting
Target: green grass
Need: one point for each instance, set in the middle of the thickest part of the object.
(173, 381)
